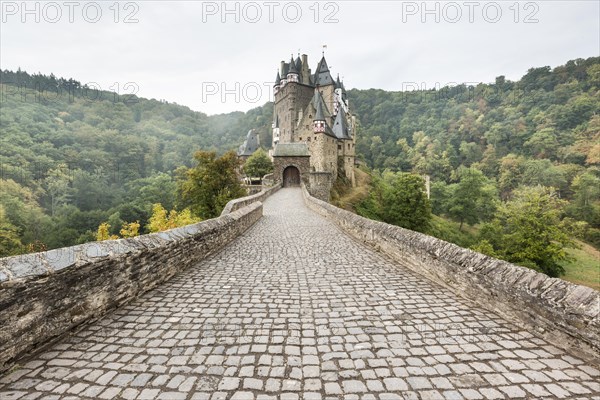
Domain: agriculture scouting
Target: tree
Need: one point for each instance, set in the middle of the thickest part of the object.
(404, 202)
(10, 244)
(527, 231)
(208, 186)
(511, 171)
(58, 187)
(258, 164)
(161, 220)
(130, 230)
(472, 199)
(586, 199)
(543, 143)
(103, 232)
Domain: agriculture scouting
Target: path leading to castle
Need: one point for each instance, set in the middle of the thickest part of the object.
(295, 309)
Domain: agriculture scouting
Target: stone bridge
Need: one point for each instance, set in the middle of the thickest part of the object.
(294, 308)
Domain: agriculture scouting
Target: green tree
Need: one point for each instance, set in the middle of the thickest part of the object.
(472, 199)
(258, 164)
(207, 187)
(543, 143)
(586, 199)
(10, 244)
(58, 187)
(404, 202)
(527, 231)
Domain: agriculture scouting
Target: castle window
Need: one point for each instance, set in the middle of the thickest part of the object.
(308, 139)
(339, 146)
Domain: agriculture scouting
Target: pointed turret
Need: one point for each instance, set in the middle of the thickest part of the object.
(322, 75)
(276, 131)
(319, 121)
(277, 80)
(277, 83)
(320, 114)
(284, 72)
(292, 75)
(340, 126)
(298, 64)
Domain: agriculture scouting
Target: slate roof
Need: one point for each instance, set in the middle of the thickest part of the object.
(322, 75)
(250, 145)
(340, 126)
(291, 150)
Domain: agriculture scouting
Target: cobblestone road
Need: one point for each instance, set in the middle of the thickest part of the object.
(294, 309)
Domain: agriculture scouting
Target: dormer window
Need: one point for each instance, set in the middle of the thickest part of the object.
(319, 126)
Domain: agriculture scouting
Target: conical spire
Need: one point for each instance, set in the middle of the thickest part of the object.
(318, 101)
(320, 114)
(322, 75)
(293, 69)
(340, 126)
(298, 64)
(277, 79)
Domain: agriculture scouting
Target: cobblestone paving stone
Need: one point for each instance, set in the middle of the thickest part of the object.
(295, 309)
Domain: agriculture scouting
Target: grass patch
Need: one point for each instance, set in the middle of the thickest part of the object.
(585, 268)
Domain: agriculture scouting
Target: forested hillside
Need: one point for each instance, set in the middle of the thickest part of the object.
(547, 115)
(72, 157)
(541, 130)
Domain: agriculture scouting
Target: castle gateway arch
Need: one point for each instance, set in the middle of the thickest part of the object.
(291, 176)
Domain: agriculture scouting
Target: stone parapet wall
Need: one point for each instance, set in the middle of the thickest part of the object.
(564, 313)
(45, 295)
(236, 204)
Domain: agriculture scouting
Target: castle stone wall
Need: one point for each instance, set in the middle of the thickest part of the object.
(564, 313)
(45, 295)
(320, 185)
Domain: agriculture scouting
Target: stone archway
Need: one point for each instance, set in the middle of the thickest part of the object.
(291, 176)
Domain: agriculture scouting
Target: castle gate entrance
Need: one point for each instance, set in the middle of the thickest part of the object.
(291, 177)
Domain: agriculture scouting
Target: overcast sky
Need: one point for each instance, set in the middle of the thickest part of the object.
(197, 53)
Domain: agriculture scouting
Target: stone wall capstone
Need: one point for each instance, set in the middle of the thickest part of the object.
(564, 313)
(236, 204)
(45, 295)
